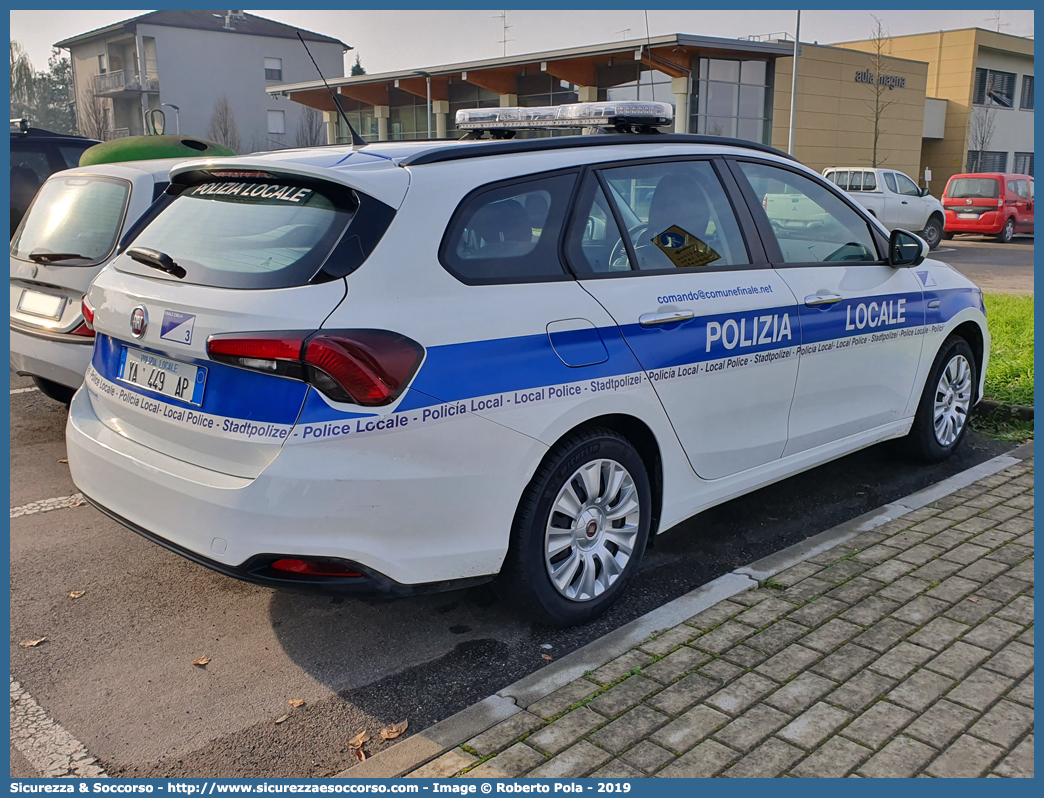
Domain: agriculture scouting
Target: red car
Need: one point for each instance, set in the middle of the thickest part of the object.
(989, 203)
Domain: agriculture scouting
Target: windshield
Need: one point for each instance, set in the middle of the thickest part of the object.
(74, 221)
(247, 234)
(973, 188)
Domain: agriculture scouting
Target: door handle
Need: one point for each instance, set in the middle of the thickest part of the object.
(905, 202)
(652, 319)
(822, 299)
(934, 304)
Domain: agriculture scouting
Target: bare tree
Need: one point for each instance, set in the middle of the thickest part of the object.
(91, 119)
(311, 130)
(22, 79)
(981, 132)
(880, 64)
(223, 128)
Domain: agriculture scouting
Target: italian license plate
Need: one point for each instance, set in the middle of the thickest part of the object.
(39, 304)
(172, 378)
(967, 216)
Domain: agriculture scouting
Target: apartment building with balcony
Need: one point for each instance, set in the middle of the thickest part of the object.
(192, 59)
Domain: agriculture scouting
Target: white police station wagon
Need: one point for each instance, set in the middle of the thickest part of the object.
(411, 366)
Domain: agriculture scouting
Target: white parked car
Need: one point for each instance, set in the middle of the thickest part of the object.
(70, 231)
(893, 198)
(418, 365)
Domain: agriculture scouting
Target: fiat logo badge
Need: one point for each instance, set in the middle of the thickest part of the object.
(139, 322)
(968, 202)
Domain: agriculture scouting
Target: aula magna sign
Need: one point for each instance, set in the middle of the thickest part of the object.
(891, 81)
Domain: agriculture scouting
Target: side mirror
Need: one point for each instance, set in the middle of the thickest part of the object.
(906, 249)
(925, 191)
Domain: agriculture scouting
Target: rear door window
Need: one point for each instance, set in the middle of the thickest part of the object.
(889, 179)
(677, 216)
(74, 221)
(509, 233)
(252, 233)
(841, 180)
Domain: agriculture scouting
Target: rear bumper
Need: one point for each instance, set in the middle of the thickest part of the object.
(989, 223)
(63, 362)
(409, 509)
(257, 571)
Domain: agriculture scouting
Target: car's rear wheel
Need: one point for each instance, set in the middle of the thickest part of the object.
(1007, 233)
(54, 390)
(933, 232)
(946, 403)
(580, 530)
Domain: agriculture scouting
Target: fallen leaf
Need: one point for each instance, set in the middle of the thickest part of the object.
(296, 702)
(77, 504)
(546, 657)
(360, 754)
(77, 594)
(393, 731)
(280, 720)
(358, 740)
(201, 662)
(64, 460)
(973, 598)
(32, 643)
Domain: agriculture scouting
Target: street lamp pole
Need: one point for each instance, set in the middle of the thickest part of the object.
(427, 76)
(793, 86)
(177, 116)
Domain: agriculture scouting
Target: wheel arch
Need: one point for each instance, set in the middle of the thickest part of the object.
(971, 332)
(639, 435)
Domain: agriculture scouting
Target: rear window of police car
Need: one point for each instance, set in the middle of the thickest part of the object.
(249, 233)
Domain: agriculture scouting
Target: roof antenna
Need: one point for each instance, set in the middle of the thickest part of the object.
(357, 140)
(648, 41)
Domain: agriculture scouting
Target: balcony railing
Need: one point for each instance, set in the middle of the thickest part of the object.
(120, 133)
(114, 82)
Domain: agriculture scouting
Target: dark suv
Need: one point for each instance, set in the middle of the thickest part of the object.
(35, 155)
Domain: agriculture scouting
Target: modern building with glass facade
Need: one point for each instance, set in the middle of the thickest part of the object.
(935, 87)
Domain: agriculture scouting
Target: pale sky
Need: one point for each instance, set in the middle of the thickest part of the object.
(390, 40)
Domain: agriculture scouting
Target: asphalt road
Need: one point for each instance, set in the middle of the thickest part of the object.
(995, 268)
(116, 671)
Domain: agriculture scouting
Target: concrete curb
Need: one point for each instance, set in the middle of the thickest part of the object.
(421, 748)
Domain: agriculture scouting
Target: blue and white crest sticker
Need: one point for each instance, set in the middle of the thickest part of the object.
(177, 327)
(927, 280)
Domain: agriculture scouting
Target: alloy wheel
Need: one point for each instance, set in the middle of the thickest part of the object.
(592, 530)
(952, 400)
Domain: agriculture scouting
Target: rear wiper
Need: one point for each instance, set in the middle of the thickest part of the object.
(156, 260)
(44, 256)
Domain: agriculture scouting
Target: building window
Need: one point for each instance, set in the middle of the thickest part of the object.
(277, 122)
(101, 64)
(1026, 101)
(733, 99)
(1023, 163)
(273, 69)
(998, 88)
(987, 161)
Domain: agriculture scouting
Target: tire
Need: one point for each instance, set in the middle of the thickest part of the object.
(558, 498)
(1008, 232)
(949, 400)
(53, 390)
(933, 232)
(947, 236)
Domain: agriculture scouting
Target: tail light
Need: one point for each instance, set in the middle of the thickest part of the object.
(365, 367)
(84, 330)
(88, 316)
(314, 567)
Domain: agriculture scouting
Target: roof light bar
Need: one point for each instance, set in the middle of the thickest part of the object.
(611, 114)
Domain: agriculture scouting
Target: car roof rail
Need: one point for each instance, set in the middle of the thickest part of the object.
(485, 148)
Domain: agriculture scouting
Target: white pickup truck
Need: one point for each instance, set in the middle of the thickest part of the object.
(893, 198)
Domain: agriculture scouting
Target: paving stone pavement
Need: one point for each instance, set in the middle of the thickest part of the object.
(907, 651)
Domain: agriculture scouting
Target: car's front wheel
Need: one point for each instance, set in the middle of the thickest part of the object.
(580, 530)
(933, 232)
(1007, 232)
(946, 403)
(54, 390)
